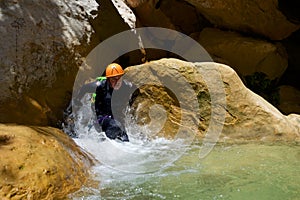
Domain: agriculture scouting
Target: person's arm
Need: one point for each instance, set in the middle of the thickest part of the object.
(87, 88)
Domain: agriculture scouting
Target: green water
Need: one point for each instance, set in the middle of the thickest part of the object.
(242, 172)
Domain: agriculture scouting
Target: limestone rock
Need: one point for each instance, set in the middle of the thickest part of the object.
(38, 45)
(289, 99)
(176, 14)
(260, 17)
(40, 163)
(246, 55)
(182, 89)
(126, 13)
(136, 3)
(158, 18)
(109, 21)
(183, 15)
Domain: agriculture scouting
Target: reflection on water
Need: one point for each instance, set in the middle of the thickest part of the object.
(248, 171)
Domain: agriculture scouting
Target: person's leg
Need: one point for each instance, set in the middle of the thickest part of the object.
(113, 130)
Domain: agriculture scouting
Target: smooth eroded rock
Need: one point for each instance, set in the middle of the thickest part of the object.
(40, 163)
(205, 96)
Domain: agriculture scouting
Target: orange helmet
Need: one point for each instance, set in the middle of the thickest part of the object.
(113, 69)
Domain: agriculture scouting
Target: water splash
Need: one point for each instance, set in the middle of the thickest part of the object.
(145, 153)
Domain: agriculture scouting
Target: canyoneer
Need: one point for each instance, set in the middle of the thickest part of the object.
(112, 127)
(102, 90)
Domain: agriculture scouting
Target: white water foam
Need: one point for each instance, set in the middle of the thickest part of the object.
(137, 156)
(144, 157)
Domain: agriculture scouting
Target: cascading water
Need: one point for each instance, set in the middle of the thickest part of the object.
(144, 156)
(145, 152)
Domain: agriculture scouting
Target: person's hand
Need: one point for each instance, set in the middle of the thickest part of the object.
(113, 130)
(123, 137)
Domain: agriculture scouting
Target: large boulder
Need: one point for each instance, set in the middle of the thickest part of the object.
(38, 53)
(245, 54)
(191, 97)
(259, 17)
(40, 163)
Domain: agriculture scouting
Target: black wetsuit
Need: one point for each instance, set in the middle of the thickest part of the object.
(110, 106)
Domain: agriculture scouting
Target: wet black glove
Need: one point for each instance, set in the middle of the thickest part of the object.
(123, 137)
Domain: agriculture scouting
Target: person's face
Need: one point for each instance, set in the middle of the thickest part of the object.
(115, 82)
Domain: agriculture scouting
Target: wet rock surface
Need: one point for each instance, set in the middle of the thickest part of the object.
(40, 163)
